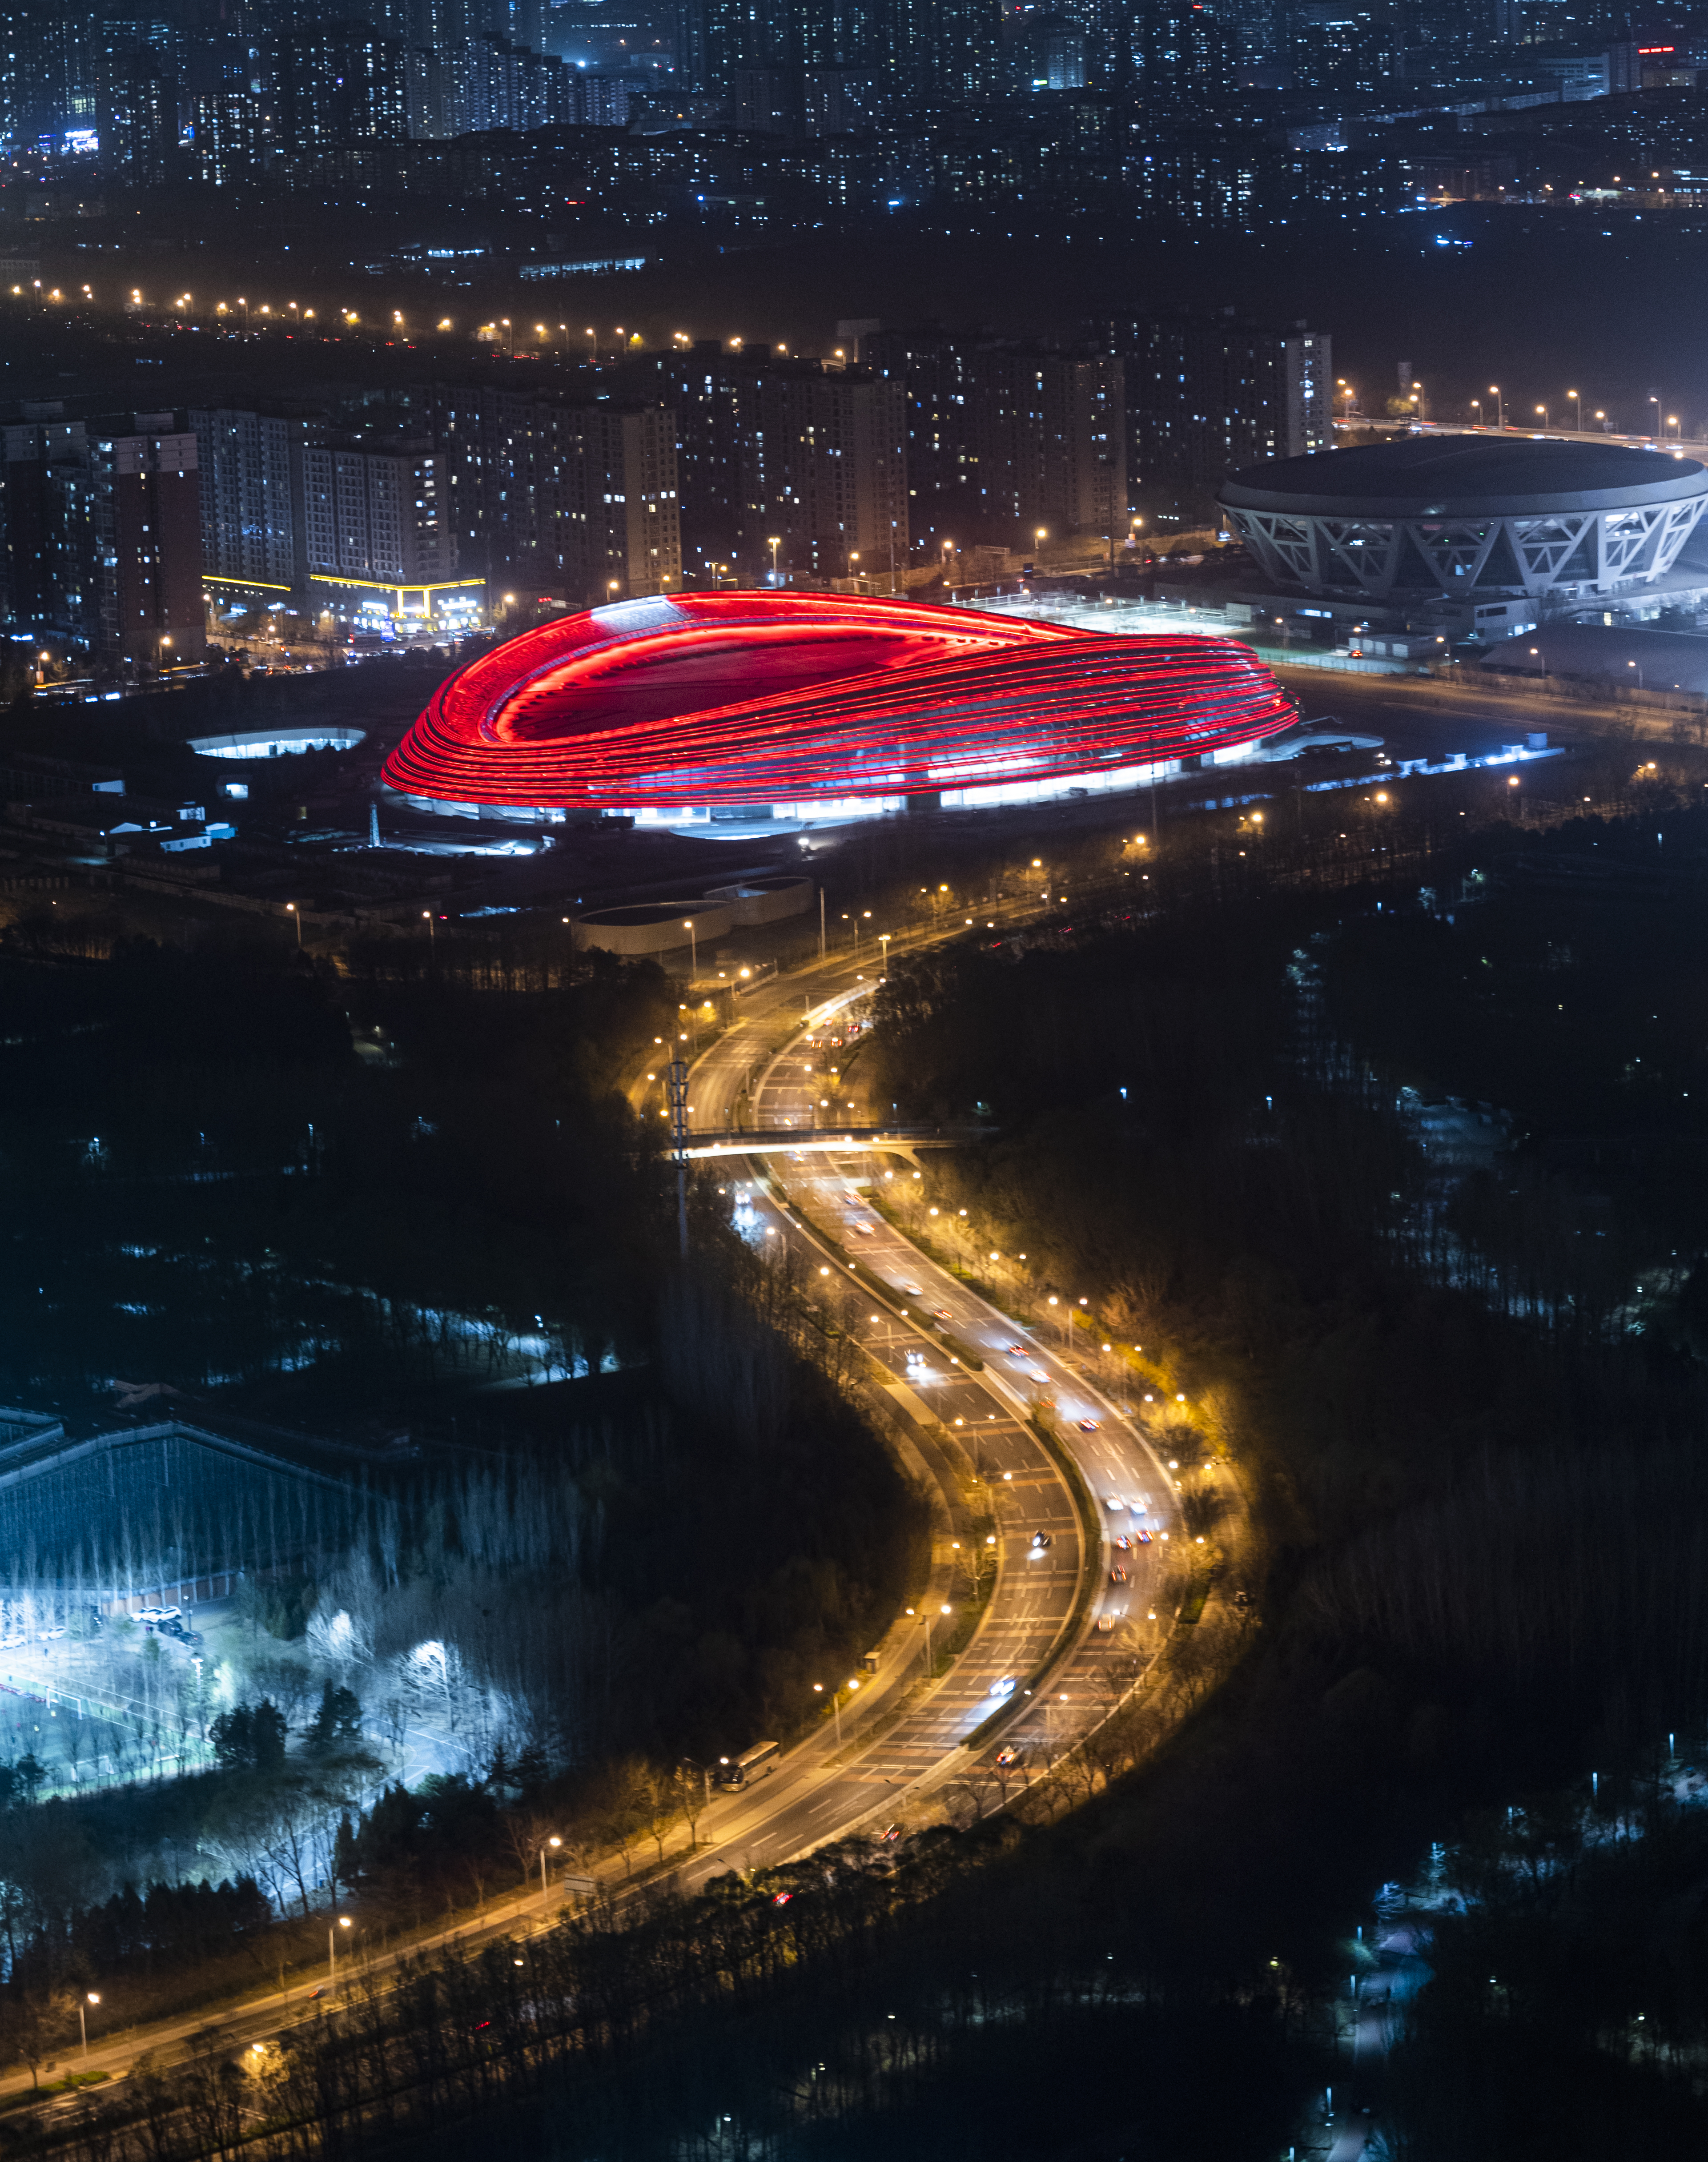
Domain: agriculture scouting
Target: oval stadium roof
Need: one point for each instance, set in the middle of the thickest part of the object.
(1465, 476)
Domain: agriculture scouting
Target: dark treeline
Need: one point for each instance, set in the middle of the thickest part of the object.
(661, 2028)
(166, 1925)
(241, 1203)
(1561, 1944)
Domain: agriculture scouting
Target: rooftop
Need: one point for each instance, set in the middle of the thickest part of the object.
(1414, 476)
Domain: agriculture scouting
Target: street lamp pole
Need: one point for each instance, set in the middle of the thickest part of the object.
(290, 909)
(693, 950)
(90, 1997)
(544, 1896)
(676, 1081)
(1577, 399)
(1499, 405)
(332, 1953)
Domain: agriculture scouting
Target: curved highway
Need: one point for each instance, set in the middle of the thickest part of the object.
(1050, 1660)
(1043, 1664)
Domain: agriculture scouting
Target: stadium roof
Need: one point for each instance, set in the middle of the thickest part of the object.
(1465, 477)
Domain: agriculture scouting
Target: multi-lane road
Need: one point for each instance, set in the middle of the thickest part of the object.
(1056, 1640)
(1074, 1605)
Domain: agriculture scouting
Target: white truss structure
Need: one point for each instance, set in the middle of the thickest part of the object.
(1565, 551)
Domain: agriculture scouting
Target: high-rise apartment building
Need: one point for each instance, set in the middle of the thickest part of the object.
(1206, 394)
(103, 537)
(377, 514)
(340, 82)
(1004, 439)
(579, 500)
(139, 120)
(146, 500)
(489, 82)
(826, 474)
(251, 469)
(813, 459)
(49, 59)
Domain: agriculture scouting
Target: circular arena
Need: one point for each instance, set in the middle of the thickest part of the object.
(1453, 515)
(813, 705)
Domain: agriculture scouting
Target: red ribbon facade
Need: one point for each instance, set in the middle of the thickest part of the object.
(701, 698)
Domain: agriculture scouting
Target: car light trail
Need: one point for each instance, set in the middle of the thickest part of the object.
(708, 698)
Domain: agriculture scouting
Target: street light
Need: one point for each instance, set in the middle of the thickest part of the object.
(1476, 408)
(1577, 401)
(694, 948)
(835, 1709)
(290, 911)
(553, 1842)
(884, 938)
(92, 1996)
(1543, 411)
(332, 1954)
(774, 542)
(1655, 402)
(1499, 405)
(433, 934)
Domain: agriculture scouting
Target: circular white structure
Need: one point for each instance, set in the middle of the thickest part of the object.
(1456, 515)
(277, 743)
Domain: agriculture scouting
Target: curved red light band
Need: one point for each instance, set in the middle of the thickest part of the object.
(938, 698)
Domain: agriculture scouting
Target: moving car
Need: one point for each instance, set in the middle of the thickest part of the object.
(1087, 1426)
(1040, 1540)
(1005, 1687)
(1118, 1574)
(1011, 1755)
(1113, 1501)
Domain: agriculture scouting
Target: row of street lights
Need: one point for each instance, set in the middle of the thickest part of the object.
(1347, 397)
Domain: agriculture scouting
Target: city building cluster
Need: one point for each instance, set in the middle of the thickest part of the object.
(909, 455)
(707, 114)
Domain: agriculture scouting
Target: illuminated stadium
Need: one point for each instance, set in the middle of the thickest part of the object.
(815, 706)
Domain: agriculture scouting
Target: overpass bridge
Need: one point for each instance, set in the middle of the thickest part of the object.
(824, 1141)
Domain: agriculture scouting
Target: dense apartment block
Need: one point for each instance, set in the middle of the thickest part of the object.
(1206, 394)
(575, 499)
(810, 458)
(1005, 439)
(102, 523)
(251, 469)
(378, 512)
